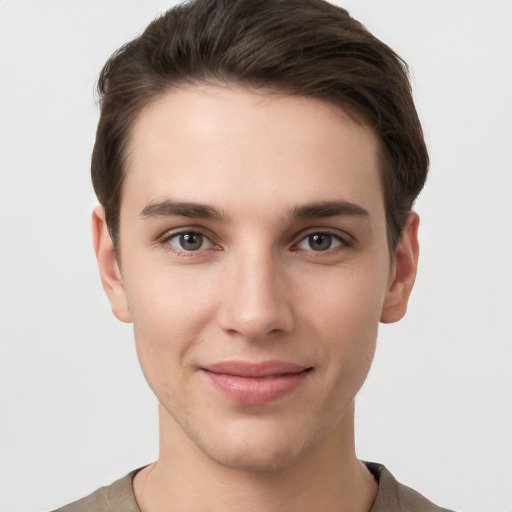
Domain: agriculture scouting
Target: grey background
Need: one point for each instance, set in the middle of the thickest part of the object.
(75, 411)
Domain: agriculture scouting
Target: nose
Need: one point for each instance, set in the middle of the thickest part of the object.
(255, 301)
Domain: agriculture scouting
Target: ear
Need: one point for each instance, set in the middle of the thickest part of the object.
(403, 272)
(110, 273)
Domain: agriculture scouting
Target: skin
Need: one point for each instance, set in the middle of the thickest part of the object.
(255, 289)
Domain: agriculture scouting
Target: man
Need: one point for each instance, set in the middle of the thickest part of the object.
(256, 164)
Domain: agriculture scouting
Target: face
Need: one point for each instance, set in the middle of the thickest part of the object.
(254, 266)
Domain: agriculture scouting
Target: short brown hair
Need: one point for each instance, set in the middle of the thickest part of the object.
(295, 47)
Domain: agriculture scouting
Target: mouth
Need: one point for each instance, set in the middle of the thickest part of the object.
(255, 383)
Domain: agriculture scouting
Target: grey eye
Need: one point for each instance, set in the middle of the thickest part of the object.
(319, 242)
(190, 241)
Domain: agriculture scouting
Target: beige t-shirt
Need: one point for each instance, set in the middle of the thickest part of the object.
(391, 497)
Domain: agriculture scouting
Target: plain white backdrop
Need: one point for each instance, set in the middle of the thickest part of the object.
(76, 412)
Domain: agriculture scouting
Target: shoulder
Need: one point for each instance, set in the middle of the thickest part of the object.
(396, 497)
(116, 497)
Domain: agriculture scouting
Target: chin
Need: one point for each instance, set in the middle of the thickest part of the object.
(256, 447)
(253, 458)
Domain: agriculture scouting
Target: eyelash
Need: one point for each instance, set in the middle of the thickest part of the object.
(343, 242)
(166, 242)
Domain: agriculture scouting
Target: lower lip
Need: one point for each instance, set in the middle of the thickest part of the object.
(255, 390)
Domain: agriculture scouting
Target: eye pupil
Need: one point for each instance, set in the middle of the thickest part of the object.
(320, 242)
(191, 241)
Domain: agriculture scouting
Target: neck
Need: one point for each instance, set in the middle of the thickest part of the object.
(329, 477)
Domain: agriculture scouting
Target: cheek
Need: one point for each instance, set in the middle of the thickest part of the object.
(165, 296)
(348, 300)
(169, 313)
(344, 313)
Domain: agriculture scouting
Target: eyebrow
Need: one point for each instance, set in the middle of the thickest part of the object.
(318, 210)
(329, 209)
(171, 208)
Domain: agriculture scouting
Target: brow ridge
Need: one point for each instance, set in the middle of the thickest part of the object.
(315, 210)
(324, 209)
(170, 208)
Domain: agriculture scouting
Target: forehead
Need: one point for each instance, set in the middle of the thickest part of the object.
(220, 145)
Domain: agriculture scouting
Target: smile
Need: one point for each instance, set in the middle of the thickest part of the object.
(255, 384)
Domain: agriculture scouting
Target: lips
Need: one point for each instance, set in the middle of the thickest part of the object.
(255, 383)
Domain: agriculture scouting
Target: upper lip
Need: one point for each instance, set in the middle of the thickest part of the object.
(252, 369)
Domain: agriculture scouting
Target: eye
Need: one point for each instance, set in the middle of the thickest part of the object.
(189, 241)
(320, 242)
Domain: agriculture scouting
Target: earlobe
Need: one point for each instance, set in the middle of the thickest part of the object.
(110, 273)
(405, 266)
